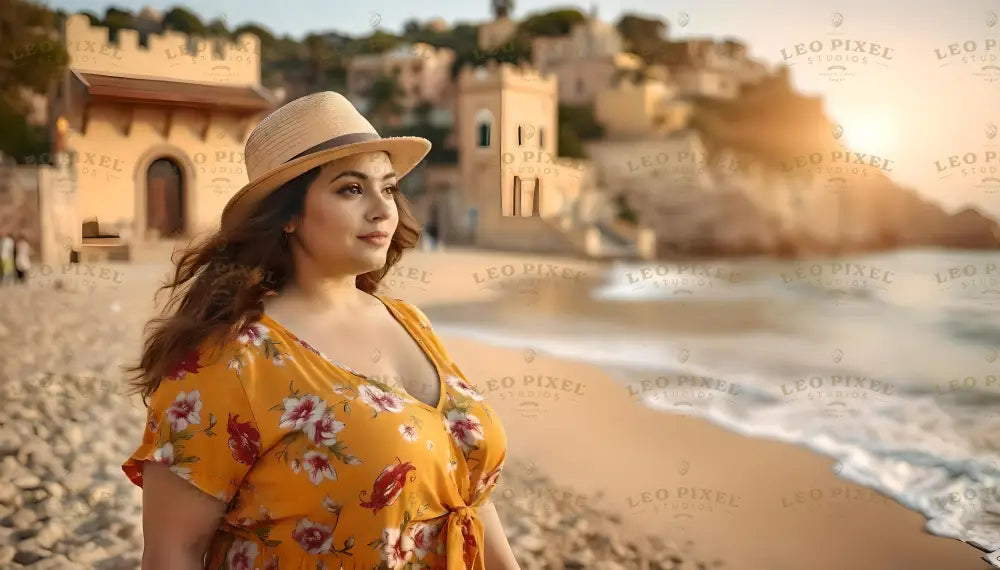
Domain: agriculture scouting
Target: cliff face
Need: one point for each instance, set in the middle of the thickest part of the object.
(782, 183)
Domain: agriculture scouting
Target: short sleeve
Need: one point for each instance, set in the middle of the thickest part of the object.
(200, 424)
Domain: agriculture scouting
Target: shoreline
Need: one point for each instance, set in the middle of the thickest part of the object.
(752, 503)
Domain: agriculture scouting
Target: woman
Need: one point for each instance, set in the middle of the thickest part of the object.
(274, 439)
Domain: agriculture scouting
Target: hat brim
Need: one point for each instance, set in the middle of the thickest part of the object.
(405, 153)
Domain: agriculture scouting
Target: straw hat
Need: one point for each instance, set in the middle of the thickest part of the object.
(308, 132)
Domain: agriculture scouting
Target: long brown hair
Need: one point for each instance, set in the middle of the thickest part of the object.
(228, 275)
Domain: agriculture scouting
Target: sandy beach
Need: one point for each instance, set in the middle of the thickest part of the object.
(710, 495)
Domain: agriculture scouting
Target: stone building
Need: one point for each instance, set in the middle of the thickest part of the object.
(586, 61)
(705, 67)
(638, 109)
(422, 71)
(510, 189)
(152, 137)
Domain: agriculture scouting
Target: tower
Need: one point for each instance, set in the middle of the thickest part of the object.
(502, 8)
(507, 118)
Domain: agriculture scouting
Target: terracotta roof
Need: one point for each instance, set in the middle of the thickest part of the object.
(175, 93)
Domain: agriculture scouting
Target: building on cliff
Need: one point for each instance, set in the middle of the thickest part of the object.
(422, 71)
(510, 189)
(585, 61)
(148, 141)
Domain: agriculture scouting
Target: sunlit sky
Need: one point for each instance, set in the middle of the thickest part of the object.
(915, 109)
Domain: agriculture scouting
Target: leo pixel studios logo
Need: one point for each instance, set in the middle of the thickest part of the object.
(981, 56)
(838, 57)
(979, 168)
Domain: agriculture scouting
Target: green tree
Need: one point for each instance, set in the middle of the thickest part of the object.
(411, 26)
(423, 112)
(94, 20)
(267, 39)
(116, 19)
(576, 125)
(554, 23)
(385, 96)
(318, 59)
(183, 21)
(217, 27)
(31, 58)
(379, 42)
(643, 36)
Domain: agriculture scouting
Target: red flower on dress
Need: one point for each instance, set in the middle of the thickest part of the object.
(388, 485)
(244, 440)
(189, 363)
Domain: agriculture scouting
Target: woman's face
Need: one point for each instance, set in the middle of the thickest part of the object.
(350, 197)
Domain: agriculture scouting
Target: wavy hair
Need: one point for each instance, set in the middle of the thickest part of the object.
(219, 284)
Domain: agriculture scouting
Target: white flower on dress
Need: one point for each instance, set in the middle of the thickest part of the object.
(296, 467)
(185, 410)
(464, 428)
(430, 445)
(324, 430)
(254, 333)
(379, 399)
(318, 466)
(408, 432)
(242, 555)
(463, 387)
(300, 412)
(165, 455)
(397, 549)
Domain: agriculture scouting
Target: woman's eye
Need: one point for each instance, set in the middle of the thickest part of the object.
(393, 189)
(351, 187)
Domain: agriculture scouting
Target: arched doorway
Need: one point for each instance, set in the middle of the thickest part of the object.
(164, 199)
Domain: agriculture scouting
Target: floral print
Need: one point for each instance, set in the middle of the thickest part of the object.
(320, 466)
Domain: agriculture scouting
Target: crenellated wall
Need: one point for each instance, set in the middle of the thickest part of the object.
(171, 55)
(492, 75)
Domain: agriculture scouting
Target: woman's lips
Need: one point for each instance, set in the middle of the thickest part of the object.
(375, 239)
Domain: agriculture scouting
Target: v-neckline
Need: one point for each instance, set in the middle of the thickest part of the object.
(399, 319)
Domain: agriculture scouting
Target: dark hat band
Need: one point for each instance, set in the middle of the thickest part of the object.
(342, 140)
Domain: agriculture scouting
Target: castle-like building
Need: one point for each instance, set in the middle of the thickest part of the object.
(149, 136)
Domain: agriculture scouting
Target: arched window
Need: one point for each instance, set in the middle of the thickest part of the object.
(484, 128)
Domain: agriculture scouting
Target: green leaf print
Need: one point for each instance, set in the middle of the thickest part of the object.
(263, 533)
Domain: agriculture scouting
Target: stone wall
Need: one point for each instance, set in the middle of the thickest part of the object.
(171, 55)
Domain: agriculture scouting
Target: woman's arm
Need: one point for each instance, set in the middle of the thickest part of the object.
(178, 520)
(498, 554)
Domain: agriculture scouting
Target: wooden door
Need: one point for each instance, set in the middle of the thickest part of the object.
(164, 198)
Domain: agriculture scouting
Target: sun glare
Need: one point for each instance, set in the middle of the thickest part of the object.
(873, 133)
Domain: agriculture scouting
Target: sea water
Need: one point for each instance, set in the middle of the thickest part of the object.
(889, 363)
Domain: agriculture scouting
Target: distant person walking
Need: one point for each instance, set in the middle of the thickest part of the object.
(22, 258)
(6, 259)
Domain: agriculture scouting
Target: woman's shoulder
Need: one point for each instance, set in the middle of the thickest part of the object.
(410, 310)
(234, 351)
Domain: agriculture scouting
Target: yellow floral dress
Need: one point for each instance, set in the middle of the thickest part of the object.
(321, 466)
